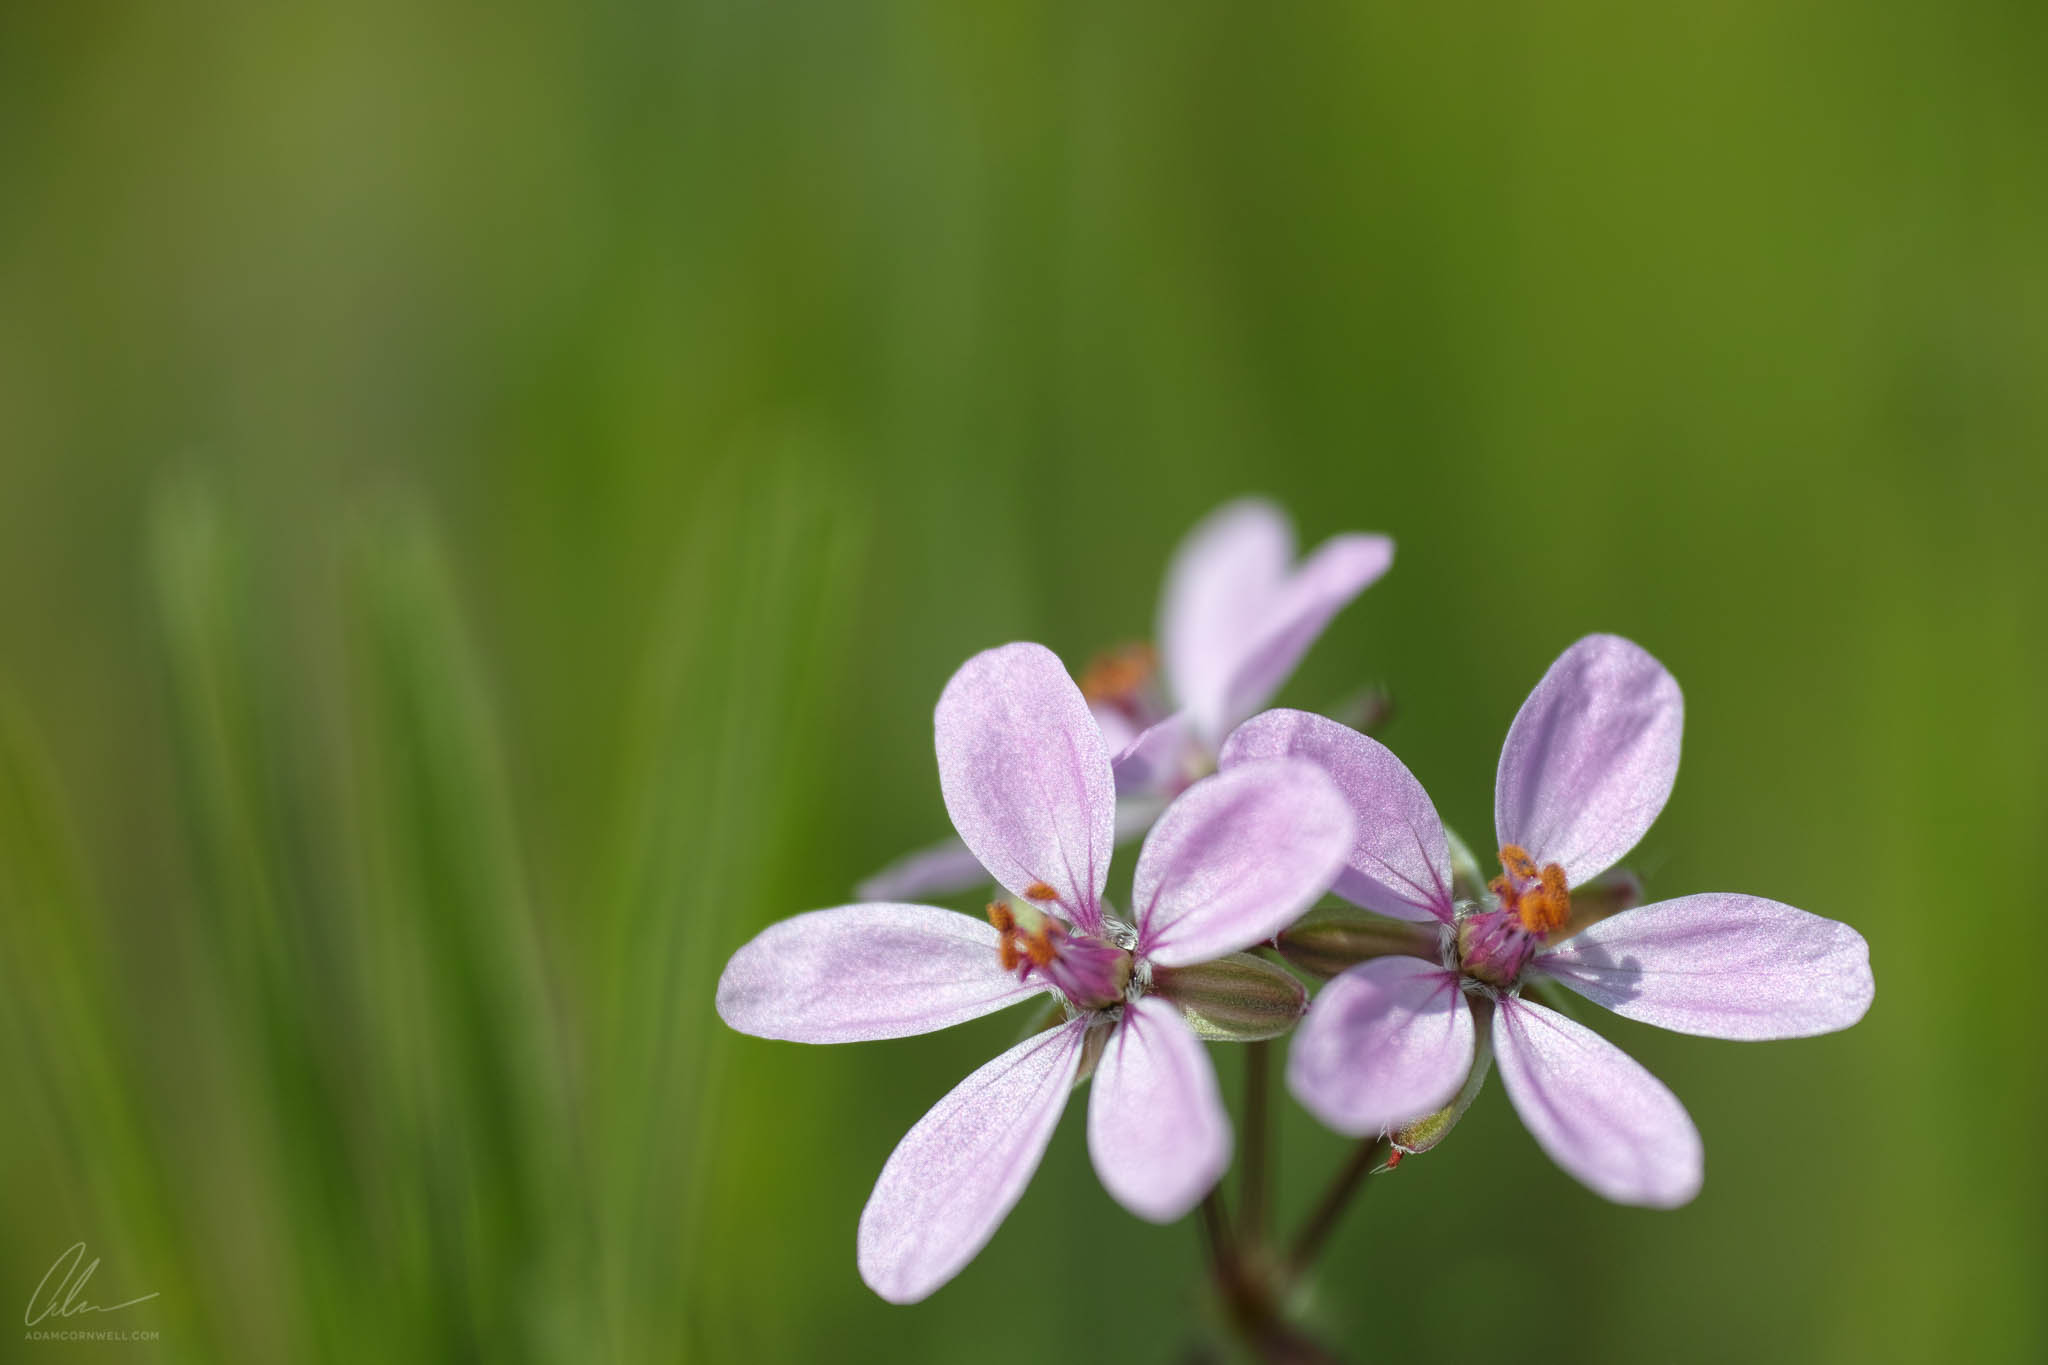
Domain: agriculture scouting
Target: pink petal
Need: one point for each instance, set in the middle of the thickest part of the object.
(1594, 1110)
(866, 971)
(1720, 965)
(1590, 758)
(1117, 729)
(1400, 864)
(1026, 777)
(1340, 569)
(1237, 859)
(941, 869)
(955, 1176)
(1156, 1126)
(1384, 1043)
(946, 868)
(1219, 592)
(1158, 759)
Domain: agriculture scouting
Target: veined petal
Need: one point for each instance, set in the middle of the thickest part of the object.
(1237, 859)
(955, 1176)
(1339, 569)
(1400, 863)
(1720, 965)
(1026, 778)
(947, 868)
(1424, 1134)
(1591, 757)
(1158, 758)
(941, 869)
(1156, 1126)
(1220, 589)
(1594, 1110)
(1386, 1042)
(866, 971)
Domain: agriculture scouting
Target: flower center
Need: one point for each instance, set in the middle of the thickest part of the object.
(1533, 901)
(1086, 970)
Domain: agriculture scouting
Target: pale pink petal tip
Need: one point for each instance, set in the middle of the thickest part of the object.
(1721, 965)
(1237, 859)
(862, 972)
(1156, 1125)
(1339, 569)
(955, 1176)
(1026, 777)
(1219, 593)
(1594, 1110)
(1384, 1043)
(1590, 758)
(1238, 614)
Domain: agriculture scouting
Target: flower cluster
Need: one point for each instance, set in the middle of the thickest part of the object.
(1277, 845)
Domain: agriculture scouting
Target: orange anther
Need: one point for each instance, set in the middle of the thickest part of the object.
(1546, 907)
(1040, 891)
(1007, 950)
(1516, 861)
(1040, 950)
(1000, 915)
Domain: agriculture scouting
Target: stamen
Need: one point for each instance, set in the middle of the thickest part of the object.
(1040, 891)
(1116, 675)
(1005, 921)
(1540, 908)
(1088, 971)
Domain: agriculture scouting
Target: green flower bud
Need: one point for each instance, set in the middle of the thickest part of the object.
(1428, 1131)
(1324, 942)
(1235, 999)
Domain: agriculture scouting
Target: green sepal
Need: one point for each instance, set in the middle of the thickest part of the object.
(1326, 941)
(1234, 999)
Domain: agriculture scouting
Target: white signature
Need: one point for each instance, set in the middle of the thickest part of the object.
(66, 1298)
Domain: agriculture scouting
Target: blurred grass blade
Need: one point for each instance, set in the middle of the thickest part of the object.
(266, 953)
(470, 1051)
(69, 1058)
(737, 690)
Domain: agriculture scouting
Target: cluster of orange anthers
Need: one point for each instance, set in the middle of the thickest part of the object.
(1117, 675)
(1538, 896)
(1038, 946)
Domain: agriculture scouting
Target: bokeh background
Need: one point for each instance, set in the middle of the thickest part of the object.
(489, 496)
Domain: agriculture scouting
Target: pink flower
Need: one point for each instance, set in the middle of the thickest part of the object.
(1026, 778)
(1237, 615)
(1587, 766)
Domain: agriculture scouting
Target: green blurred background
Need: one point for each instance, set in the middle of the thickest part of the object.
(489, 496)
